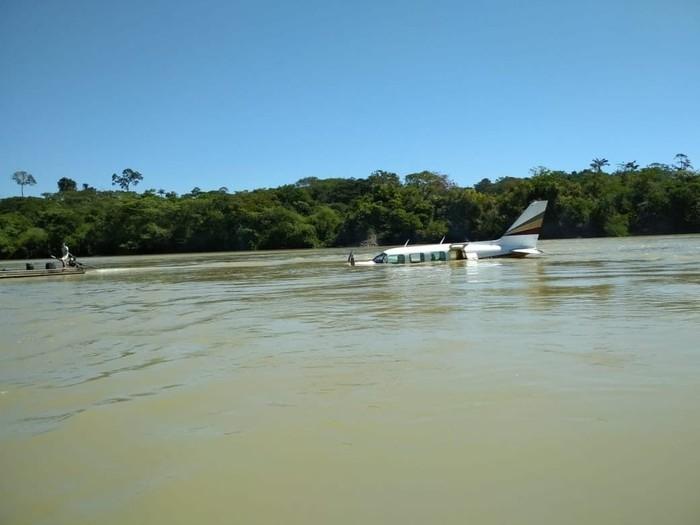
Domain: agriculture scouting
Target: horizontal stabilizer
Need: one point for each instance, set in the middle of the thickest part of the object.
(527, 251)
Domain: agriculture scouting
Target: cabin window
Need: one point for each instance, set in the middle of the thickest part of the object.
(438, 256)
(380, 259)
(416, 257)
(397, 259)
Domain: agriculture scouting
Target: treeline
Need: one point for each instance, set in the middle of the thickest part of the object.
(382, 208)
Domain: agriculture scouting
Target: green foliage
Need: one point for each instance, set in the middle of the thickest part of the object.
(66, 184)
(338, 212)
(128, 178)
(616, 225)
(13, 224)
(32, 241)
(326, 222)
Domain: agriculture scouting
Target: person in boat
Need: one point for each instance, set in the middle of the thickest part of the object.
(65, 254)
(67, 258)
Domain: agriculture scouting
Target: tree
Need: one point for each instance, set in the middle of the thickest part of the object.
(540, 171)
(629, 166)
(23, 179)
(381, 177)
(484, 186)
(126, 179)
(66, 184)
(682, 162)
(597, 164)
(429, 180)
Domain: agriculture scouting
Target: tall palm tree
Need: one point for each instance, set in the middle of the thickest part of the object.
(597, 164)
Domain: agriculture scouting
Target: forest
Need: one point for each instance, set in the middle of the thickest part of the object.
(381, 209)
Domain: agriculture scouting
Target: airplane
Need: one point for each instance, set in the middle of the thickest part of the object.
(520, 240)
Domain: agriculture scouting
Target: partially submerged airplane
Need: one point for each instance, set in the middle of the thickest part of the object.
(520, 240)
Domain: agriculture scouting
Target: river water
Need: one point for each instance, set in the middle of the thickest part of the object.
(286, 387)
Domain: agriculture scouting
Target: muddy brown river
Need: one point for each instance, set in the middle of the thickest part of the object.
(287, 387)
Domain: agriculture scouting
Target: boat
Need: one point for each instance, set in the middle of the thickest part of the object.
(65, 266)
(49, 270)
(520, 240)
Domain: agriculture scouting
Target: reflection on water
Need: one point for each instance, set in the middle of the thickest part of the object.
(288, 387)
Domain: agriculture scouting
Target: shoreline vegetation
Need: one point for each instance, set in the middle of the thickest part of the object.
(336, 212)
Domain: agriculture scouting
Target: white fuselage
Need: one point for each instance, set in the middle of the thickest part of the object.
(420, 253)
(520, 240)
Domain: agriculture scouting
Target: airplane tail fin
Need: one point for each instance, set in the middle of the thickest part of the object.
(525, 231)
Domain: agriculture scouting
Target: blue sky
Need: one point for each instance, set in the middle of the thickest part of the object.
(248, 94)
